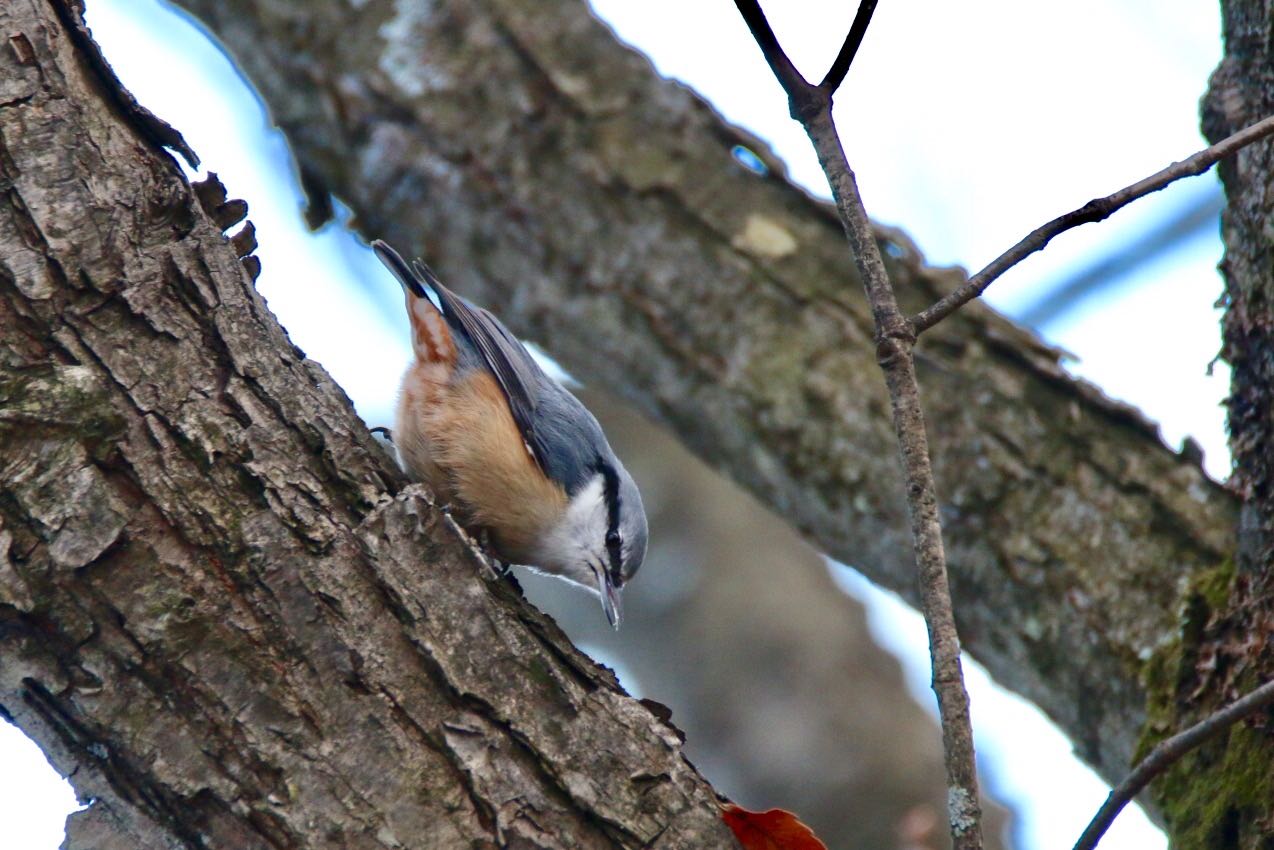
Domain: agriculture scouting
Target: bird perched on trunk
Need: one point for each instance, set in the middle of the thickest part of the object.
(518, 457)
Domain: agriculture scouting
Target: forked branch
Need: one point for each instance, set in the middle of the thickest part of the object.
(812, 107)
(804, 97)
(895, 338)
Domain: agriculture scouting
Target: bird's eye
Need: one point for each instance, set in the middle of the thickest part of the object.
(613, 539)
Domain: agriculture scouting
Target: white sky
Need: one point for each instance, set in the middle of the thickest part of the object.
(967, 123)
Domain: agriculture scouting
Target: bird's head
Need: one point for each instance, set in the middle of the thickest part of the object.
(600, 541)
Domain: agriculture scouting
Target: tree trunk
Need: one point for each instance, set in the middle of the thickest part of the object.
(221, 611)
(546, 170)
(1223, 796)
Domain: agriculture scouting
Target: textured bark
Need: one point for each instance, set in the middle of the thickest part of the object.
(547, 171)
(1223, 796)
(221, 612)
(1243, 87)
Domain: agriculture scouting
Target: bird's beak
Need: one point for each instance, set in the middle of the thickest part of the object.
(610, 599)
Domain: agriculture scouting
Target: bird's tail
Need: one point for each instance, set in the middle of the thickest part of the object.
(414, 278)
(431, 336)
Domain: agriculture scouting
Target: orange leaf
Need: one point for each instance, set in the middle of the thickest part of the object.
(775, 829)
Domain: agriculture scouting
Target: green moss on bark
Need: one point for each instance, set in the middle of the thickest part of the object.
(1214, 797)
(1217, 796)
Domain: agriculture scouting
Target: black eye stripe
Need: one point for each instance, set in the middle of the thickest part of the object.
(610, 484)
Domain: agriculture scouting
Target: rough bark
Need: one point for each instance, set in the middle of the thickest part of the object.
(546, 170)
(1243, 86)
(1223, 795)
(221, 611)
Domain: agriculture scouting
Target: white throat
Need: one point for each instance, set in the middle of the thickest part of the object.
(579, 538)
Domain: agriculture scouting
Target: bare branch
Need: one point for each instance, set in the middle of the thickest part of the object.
(858, 29)
(812, 107)
(894, 353)
(783, 69)
(1168, 752)
(1093, 211)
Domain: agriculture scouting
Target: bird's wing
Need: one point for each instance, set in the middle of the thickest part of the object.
(519, 376)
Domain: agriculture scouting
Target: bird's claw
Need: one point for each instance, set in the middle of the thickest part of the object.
(502, 567)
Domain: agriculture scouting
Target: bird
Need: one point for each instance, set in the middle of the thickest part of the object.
(516, 456)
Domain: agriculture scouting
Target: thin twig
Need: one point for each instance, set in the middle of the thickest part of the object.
(1165, 754)
(894, 344)
(803, 98)
(811, 105)
(1095, 210)
(848, 50)
(783, 69)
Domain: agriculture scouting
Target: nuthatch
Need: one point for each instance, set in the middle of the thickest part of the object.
(513, 452)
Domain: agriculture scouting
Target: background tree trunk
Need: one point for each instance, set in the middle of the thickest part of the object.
(546, 170)
(220, 611)
(1223, 796)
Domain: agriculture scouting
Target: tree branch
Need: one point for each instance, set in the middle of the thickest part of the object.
(784, 71)
(804, 99)
(1165, 754)
(1095, 210)
(894, 342)
(853, 40)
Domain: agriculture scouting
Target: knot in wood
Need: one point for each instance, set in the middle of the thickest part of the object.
(895, 340)
(806, 103)
(1094, 211)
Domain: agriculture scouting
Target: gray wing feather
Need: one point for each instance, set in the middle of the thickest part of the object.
(562, 436)
(515, 370)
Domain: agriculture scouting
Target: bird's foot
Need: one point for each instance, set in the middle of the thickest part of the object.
(485, 541)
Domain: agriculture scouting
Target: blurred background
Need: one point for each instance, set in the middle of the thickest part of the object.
(980, 121)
